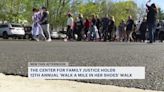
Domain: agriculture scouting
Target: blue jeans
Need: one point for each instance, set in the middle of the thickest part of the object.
(151, 28)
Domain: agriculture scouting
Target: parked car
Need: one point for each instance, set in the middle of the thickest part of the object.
(28, 33)
(58, 35)
(11, 30)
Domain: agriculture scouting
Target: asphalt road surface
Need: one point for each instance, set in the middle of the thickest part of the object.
(15, 55)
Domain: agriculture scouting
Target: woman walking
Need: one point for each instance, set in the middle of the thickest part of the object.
(151, 19)
(37, 31)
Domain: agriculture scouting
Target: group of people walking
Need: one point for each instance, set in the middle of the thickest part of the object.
(105, 29)
(90, 29)
(40, 26)
(98, 29)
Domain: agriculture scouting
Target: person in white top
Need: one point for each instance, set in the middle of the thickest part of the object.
(70, 26)
(70, 22)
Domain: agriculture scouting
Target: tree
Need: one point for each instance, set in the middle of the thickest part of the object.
(160, 14)
(90, 9)
(58, 10)
(15, 10)
(120, 10)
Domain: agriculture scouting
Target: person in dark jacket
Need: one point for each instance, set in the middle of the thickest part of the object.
(129, 27)
(105, 26)
(45, 24)
(93, 30)
(94, 20)
(151, 19)
(98, 25)
(111, 28)
(80, 26)
(122, 29)
(143, 29)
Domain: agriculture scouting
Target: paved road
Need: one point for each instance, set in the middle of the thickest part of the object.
(14, 56)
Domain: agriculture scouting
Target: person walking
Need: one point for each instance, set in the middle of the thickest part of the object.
(45, 24)
(122, 29)
(37, 31)
(157, 30)
(95, 29)
(98, 25)
(80, 26)
(129, 28)
(112, 31)
(70, 26)
(87, 25)
(151, 19)
(74, 27)
(105, 26)
(143, 29)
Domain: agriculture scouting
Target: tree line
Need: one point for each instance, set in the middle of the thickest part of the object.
(19, 10)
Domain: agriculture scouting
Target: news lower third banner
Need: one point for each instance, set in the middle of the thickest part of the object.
(54, 70)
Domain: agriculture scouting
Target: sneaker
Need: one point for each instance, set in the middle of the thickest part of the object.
(49, 40)
(36, 39)
(65, 40)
